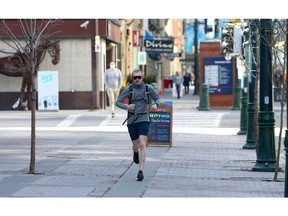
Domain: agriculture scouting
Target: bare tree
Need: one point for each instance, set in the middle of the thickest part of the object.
(279, 53)
(29, 39)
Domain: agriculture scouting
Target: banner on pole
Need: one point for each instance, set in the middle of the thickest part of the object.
(48, 93)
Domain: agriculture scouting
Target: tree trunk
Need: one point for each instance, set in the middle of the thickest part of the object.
(279, 142)
(33, 107)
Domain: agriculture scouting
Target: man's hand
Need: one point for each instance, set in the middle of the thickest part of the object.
(153, 107)
(131, 106)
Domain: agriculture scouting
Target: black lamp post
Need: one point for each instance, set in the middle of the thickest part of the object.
(243, 116)
(196, 53)
(286, 131)
(252, 61)
(266, 158)
(237, 89)
(196, 72)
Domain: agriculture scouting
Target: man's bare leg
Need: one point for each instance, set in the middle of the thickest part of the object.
(142, 153)
(135, 148)
(139, 146)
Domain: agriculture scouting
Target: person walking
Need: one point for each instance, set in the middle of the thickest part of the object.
(113, 83)
(178, 80)
(137, 119)
(186, 83)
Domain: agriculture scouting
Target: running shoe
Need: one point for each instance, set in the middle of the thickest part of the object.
(140, 175)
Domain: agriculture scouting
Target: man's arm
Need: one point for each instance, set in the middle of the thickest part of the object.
(154, 95)
(124, 94)
(120, 80)
(106, 79)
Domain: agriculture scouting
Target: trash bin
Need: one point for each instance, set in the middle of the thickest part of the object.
(166, 83)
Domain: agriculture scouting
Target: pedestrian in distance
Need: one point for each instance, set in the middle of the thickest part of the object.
(186, 82)
(113, 84)
(171, 81)
(178, 80)
(139, 94)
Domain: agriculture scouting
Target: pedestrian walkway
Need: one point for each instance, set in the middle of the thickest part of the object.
(88, 154)
(209, 164)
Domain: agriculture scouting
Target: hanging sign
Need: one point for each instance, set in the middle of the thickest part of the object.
(142, 58)
(136, 38)
(159, 46)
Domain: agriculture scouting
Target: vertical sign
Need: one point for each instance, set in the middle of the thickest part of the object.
(189, 39)
(142, 58)
(136, 38)
(97, 43)
(218, 75)
(48, 93)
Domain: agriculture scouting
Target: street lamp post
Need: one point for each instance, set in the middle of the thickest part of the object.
(266, 159)
(243, 110)
(196, 89)
(196, 53)
(252, 63)
(237, 90)
(243, 116)
(286, 131)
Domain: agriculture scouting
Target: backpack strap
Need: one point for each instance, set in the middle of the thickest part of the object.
(131, 93)
(147, 94)
(129, 114)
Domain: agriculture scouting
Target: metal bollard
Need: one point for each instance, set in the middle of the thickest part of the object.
(204, 101)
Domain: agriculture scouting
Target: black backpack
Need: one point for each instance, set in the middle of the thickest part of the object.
(132, 93)
(129, 114)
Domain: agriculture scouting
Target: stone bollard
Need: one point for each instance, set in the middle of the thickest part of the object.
(204, 101)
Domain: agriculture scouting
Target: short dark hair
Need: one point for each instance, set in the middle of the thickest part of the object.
(137, 70)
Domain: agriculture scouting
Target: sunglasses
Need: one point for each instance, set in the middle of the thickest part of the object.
(137, 77)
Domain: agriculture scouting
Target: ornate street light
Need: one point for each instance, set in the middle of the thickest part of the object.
(266, 157)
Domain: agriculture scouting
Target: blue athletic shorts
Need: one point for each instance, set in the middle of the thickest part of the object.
(137, 129)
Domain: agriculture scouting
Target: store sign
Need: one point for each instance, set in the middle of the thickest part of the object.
(136, 38)
(160, 46)
(171, 56)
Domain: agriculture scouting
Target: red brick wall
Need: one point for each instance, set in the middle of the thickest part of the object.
(212, 49)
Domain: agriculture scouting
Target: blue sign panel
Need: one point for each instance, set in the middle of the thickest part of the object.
(190, 36)
(218, 75)
(189, 39)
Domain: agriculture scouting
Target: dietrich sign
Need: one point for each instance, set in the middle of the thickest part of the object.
(160, 46)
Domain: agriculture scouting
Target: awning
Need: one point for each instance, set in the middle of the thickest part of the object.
(148, 35)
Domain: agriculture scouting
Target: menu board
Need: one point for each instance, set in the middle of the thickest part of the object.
(160, 131)
(159, 127)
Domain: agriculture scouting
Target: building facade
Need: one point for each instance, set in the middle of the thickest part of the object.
(82, 64)
(88, 46)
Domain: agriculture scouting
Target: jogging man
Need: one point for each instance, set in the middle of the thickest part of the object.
(139, 95)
